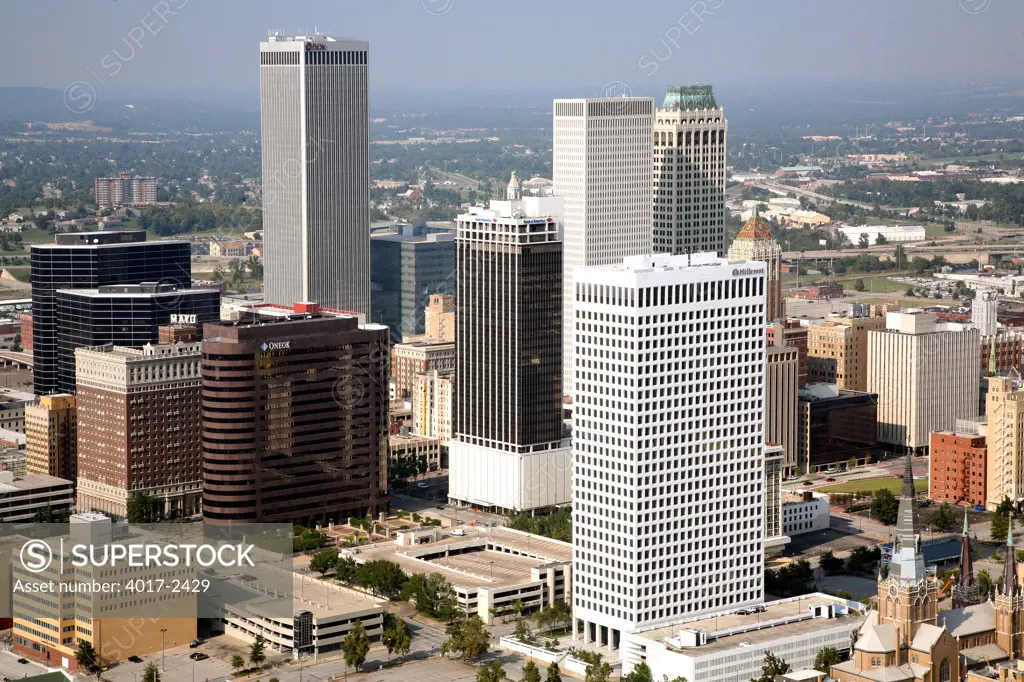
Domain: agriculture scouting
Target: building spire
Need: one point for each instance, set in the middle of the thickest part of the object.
(965, 520)
(1010, 562)
(908, 479)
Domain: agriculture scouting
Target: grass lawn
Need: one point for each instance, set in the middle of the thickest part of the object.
(893, 483)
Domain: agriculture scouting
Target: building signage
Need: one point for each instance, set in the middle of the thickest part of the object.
(746, 271)
(183, 319)
(276, 345)
(310, 47)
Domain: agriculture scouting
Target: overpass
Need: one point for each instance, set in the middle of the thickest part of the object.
(10, 358)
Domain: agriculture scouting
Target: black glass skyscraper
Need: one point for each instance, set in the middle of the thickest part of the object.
(90, 260)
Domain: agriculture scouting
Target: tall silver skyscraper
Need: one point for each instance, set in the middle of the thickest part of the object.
(689, 172)
(316, 171)
(601, 166)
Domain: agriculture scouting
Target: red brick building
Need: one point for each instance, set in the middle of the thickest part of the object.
(957, 468)
(26, 330)
(822, 292)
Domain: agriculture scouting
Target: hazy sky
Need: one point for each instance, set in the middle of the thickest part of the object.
(435, 45)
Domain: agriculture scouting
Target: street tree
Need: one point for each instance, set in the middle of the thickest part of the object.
(467, 637)
(257, 651)
(355, 647)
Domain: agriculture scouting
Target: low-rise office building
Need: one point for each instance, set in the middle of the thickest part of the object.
(836, 426)
(405, 445)
(730, 646)
(805, 512)
(409, 359)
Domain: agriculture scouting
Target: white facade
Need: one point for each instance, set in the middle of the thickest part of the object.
(432, 405)
(601, 163)
(805, 516)
(925, 374)
(892, 233)
(316, 171)
(668, 442)
(984, 309)
(489, 477)
(731, 648)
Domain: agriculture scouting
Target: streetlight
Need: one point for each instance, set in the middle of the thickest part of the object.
(163, 645)
(492, 571)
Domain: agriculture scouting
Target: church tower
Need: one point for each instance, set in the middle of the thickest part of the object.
(1009, 603)
(909, 595)
(966, 590)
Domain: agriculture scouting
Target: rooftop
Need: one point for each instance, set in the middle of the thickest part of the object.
(780, 619)
(689, 98)
(32, 481)
(476, 565)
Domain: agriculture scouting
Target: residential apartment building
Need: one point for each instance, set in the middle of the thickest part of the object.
(689, 173)
(508, 449)
(408, 266)
(51, 436)
(315, 133)
(926, 376)
(294, 416)
(412, 358)
(958, 468)
(1004, 414)
(780, 401)
(139, 422)
(837, 351)
(668, 442)
(601, 166)
(124, 189)
(805, 512)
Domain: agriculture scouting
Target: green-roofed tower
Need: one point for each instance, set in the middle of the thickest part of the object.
(690, 133)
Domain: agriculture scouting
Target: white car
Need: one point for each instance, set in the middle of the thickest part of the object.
(459, 531)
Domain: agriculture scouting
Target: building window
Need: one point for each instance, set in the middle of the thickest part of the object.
(944, 670)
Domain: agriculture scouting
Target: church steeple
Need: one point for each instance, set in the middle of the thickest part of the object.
(1010, 588)
(908, 559)
(966, 591)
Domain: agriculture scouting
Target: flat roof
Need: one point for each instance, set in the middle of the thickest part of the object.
(30, 481)
(475, 567)
(732, 624)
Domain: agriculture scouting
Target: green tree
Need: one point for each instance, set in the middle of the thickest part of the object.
(885, 507)
(1001, 520)
(551, 616)
(772, 666)
(324, 561)
(830, 563)
(523, 632)
(859, 285)
(383, 577)
(984, 579)
(597, 670)
(825, 659)
(345, 569)
(492, 672)
(257, 651)
(396, 637)
(432, 595)
(880, 240)
(641, 673)
(151, 673)
(87, 657)
(355, 646)
(530, 672)
(554, 674)
(467, 637)
(237, 662)
(143, 508)
(943, 518)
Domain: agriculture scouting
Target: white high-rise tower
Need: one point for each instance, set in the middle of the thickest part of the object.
(316, 171)
(602, 168)
(668, 442)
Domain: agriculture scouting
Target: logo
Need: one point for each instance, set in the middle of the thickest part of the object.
(183, 319)
(36, 556)
(746, 271)
(276, 345)
(310, 47)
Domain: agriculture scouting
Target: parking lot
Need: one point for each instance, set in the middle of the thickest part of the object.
(176, 665)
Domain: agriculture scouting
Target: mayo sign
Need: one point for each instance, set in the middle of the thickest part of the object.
(183, 319)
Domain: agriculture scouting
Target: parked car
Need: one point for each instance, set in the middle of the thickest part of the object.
(23, 661)
(808, 482)
(196, 642)
(134, 659)
(459, 531)
(199, 656)
(830, 480)
(421, 484)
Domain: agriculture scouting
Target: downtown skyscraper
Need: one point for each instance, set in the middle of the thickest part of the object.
(689, 172)
(668, 442)
(601, 164)
(508, 449)
(316, 171)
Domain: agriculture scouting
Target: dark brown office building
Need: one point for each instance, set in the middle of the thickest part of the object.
(294, 416)
(836, 426)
